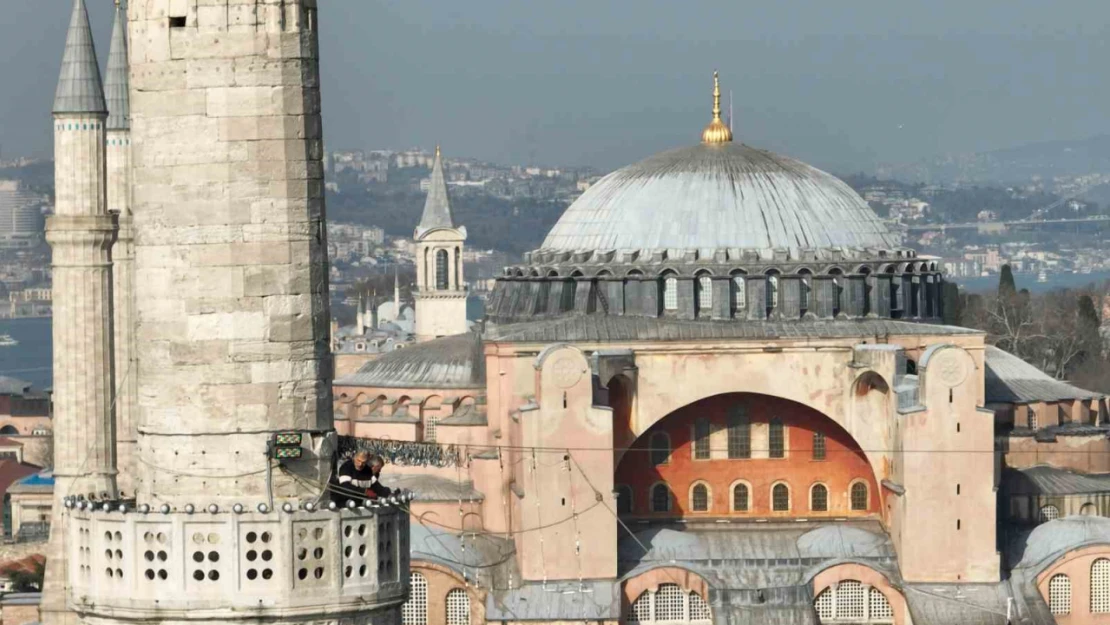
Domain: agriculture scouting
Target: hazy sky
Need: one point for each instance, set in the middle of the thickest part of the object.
(840, 84)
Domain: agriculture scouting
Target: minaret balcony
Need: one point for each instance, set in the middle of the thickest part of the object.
(224, 564)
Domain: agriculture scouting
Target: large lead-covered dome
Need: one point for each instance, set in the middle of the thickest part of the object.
(715, 196)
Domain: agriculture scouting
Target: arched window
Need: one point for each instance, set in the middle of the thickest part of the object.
(701, 439)
(850, 600)
(699, 498)
(1088, 509)
(1100, 586)
(819, 498)
(624, 500)
(660, 448)
(824, 606)
(458, 268)
(442, 275)
(780, 498)
(670, 603)
(772, 292)
(818, 446)
(670, 292)
(660, 498)
(1059, 594)
(699, 609)
(570, 292)
(859, 496)
(641, 609)
(1031, 417)
(427, 278)
(804, 287)
(776, 438)
(1049, 513)
(705, 294)
(458, 607)
(739, 292)
(739, 433)
(878, 608)
(415, 610)
(740, 498)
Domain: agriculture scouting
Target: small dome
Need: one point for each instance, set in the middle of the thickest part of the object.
(1050, 540)
(718, 196)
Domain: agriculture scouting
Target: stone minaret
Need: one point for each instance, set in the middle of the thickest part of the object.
(116, 86)
(440, 290)
(231, 349)
(231, 251)
(81, 234)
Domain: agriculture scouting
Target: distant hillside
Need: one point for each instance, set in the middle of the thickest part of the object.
(1018, 164)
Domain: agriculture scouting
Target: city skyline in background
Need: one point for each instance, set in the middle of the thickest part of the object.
(849, 88)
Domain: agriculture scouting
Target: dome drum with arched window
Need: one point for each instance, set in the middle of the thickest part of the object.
(707, 213)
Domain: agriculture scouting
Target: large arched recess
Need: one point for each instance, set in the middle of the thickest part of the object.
(842, 464)
(824, 380)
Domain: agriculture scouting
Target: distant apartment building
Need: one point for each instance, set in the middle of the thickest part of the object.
(21, 220)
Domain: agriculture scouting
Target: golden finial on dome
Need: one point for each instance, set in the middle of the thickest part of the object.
(437, 150)
(716, 131)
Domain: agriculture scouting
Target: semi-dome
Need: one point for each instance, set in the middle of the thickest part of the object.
(718, 196)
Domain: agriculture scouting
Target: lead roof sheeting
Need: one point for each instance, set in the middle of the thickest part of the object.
(80, 89)
(1039, 547)
(433, 488)
(437, 208)
(1045, 480)
(957, 604)
(599, 328)
(448, 362)
(116, 79)
(589, 600)
(1011, 380)
(718, 196)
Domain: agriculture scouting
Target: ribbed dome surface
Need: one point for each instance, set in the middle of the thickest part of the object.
(719, 196)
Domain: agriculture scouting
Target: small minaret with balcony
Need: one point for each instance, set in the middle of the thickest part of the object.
(440, 290)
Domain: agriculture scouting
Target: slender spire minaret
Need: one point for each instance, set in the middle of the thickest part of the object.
(81, 234)
(397, 291)
(440, 292)
(360, 318)
(118, 159)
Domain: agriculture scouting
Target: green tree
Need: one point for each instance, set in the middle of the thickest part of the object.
(1006, 286)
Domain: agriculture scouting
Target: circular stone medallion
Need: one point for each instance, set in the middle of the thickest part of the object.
(952, 369)
(565, 371)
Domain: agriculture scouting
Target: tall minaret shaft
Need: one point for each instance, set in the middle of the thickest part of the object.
(230, 248)
(118, 153)
(81, 234)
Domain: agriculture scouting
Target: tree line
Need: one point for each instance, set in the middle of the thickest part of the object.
(1057, 331)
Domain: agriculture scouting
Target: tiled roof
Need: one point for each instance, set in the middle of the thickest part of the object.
(601, 328)
(12, 472)
(37, 481)
(1011, 380)
(448, 362)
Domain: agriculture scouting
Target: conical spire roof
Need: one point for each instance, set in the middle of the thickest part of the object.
(116, 81)
(437, 210)
(79, 87)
